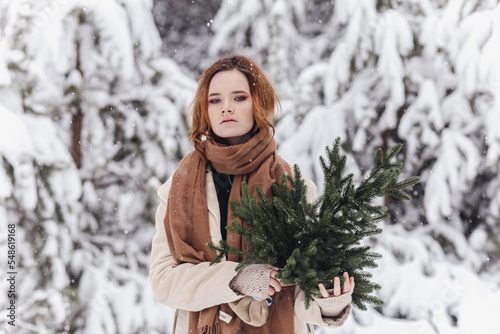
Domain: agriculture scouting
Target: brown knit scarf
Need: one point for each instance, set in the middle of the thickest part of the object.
(187, 225)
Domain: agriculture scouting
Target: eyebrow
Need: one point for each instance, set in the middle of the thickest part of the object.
(233, 92)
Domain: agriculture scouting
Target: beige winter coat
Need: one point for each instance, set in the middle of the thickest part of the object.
(194, 287)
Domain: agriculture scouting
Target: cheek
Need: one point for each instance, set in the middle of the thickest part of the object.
(211, 117)
(251, 120)
(250, 116)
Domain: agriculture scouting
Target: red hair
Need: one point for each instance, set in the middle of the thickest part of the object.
(264, 98)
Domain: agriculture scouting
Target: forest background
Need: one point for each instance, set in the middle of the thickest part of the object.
(93, 103)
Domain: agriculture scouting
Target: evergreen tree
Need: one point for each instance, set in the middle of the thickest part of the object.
(87, 137)
(185, 27)
(313, 243)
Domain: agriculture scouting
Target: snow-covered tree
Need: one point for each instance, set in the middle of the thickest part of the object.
(424, 74)
(267, 31)
(97, 118)
(185, 29)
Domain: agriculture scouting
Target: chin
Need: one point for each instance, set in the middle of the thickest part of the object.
(231, 134)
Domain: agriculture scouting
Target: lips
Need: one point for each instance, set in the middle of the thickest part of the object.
(228, 121)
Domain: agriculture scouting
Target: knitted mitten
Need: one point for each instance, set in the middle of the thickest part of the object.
(253, 280)
(333, 306)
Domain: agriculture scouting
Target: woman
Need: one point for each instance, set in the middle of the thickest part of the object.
(232, 133)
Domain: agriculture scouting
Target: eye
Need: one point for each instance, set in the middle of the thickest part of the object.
(240, 98)
(212, 101)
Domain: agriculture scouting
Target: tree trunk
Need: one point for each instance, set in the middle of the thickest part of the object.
(77, 119)
(76, 137)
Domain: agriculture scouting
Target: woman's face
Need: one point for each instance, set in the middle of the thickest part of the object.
(230, 107)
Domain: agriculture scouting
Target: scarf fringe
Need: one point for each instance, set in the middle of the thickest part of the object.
(210, 329)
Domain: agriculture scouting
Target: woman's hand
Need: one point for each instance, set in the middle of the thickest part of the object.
(348, 286)
(256, 280)
(274, 284)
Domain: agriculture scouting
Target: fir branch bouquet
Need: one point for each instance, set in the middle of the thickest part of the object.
(312, 243)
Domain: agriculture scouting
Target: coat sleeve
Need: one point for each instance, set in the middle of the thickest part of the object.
(186, 286)
(313, 314)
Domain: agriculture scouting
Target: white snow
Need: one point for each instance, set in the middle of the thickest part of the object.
(16, 147)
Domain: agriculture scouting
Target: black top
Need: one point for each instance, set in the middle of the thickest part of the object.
(223, 183)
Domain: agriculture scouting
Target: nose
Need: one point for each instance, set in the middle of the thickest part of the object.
(227, 108)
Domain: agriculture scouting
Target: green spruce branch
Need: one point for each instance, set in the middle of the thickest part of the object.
(313, 243)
